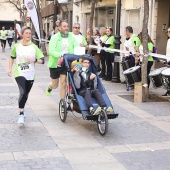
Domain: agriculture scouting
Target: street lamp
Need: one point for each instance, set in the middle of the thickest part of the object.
(116, 71)
(15, 38)
(55, 13)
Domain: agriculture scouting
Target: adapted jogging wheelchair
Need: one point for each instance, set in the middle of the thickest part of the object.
(74, 102)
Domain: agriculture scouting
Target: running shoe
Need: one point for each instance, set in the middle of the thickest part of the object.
(109, 110)
(48, 91)
(95, 111)
(21, 119)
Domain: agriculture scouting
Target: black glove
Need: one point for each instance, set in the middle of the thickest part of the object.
(107, 45)
(103, 44)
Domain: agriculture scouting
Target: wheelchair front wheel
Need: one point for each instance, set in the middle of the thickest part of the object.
(102, 123)
(62, 110)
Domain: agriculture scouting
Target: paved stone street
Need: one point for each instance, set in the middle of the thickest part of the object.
(138, 140)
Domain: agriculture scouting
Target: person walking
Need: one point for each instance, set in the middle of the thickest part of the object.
(26, 54)
(4, 34)
(11, 34)
(61, 43)
(109, 55)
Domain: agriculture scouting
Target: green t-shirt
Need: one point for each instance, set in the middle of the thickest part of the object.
(150, 47)
(22, 53)
(4, 34)
(110, 40)
(136, 41)
(56, 45)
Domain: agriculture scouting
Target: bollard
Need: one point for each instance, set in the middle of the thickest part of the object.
(138, 93)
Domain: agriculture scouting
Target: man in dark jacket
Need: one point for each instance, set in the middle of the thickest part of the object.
(86, 85)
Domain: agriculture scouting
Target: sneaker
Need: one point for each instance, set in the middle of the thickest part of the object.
(21, 119)
(109, 110)
(166, 95)
(48, 91)
(95, 111)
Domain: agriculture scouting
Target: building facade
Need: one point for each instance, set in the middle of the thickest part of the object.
(104, 14)
(63, 11)
(132, 12)
(8, 13)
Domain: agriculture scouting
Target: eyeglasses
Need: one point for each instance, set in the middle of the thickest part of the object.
(86, 62)
(77, 27)
(168, 32)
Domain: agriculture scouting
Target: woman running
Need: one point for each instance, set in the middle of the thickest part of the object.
(26, 54)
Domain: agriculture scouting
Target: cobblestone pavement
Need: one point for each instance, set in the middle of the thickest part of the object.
(138, 140)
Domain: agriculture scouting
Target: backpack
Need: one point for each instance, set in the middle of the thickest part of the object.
(155, 50)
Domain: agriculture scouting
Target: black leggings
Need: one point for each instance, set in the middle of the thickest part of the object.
(10, 41)
(24, 89)
(150, 63)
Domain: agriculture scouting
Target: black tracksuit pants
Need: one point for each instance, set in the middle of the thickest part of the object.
(108, 57)
(87, 94)
(24, 89)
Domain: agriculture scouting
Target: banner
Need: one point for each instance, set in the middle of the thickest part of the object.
(62, 1)
(18, 28)
(29, 4)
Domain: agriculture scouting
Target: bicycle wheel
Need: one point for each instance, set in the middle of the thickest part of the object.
(62, 110)
(102, 123)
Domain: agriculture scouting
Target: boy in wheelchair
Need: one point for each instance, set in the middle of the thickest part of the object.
(86, 85)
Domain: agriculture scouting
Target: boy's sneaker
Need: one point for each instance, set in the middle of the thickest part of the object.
(48, 91)
(95, 111)
(109, 110)
(21, 119)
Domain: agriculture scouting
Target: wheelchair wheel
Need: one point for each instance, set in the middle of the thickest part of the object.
(102, 123)
(62, 110)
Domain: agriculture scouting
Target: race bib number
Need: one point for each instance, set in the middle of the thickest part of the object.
(24, 67)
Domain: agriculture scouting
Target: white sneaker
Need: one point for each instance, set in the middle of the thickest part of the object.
(21, 119)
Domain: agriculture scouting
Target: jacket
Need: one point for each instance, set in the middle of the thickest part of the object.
(55, 48)
(83, 83)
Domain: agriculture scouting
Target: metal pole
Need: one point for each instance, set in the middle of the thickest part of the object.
(15, 38)
(55, 13)
(116, 71)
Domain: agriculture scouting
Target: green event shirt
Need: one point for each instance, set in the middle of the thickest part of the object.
(84, 40)
(22, 53)
(55, 48)
(150, 47)
(110, 40)
(136, 41)
(4, 34)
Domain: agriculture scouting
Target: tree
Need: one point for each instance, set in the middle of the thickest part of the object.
(18, 4)
(145, 49)
(93, 3)
(41, 27)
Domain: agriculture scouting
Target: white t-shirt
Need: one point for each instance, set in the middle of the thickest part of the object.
(23, 54)
(168, 48)
(65, 46)
(10, 34)
(128, 44)
(78, 38)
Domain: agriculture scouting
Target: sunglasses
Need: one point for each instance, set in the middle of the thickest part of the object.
(86, 62)
(168, 31)
(77, 27)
